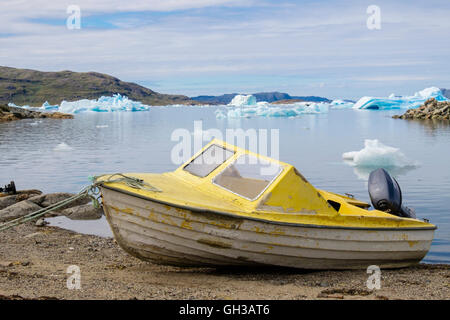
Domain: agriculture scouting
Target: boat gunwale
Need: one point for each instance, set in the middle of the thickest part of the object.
(204, 210)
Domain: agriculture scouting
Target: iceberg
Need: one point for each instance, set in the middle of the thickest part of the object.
(311, 108)
(48, 106)
(375, 154)
(117, 102)
(265, 109)
(341, 104)
(243, 100)
(104, 104)
(16, 106)
(400, 102)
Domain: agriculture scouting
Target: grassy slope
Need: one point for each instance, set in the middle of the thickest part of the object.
(23, 86)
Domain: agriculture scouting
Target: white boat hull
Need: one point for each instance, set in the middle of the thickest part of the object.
(167, 235)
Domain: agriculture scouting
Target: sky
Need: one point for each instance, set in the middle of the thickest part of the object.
(211, 47)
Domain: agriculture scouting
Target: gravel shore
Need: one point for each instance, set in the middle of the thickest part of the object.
(34, 262)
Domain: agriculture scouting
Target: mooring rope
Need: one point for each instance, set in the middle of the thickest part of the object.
(91, 191)
(132, 182)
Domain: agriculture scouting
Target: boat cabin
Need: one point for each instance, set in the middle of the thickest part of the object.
(254, 181)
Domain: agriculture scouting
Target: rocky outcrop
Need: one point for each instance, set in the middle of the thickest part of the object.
(25, 202)
(18, 210)
(12, 113)
(83, 212)
(49, 199)
(6, 201)
(431, 109)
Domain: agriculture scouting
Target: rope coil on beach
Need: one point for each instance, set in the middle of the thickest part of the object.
(91, 191)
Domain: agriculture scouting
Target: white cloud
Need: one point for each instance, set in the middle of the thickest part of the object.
(46, 8)
(310, 41)
(400, 78)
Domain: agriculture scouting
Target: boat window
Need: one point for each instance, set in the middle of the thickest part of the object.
(208, 161)
(334, 204)
(248, 176)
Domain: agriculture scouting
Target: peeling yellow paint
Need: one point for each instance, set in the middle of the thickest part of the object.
(412, 243)
(186, 225)
(127, 210)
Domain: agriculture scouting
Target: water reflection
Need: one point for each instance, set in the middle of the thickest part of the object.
(362, 173)
(432, 127)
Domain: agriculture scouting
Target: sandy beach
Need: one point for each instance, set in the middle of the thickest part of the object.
(34, 262)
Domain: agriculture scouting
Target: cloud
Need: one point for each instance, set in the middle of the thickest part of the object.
(46, 8)
(400, 78)
(290, 45)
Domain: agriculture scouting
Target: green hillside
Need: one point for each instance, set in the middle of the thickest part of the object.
(30, 87)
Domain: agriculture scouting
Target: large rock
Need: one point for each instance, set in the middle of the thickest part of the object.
(83, 212)
(7, 201)
(18, 210)
(49, 199)
(28, 201)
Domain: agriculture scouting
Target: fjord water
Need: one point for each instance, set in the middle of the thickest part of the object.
(54, 156)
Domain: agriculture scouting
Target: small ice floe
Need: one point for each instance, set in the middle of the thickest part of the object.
(62, 147)
(375, 154)
(35, 123)
(102, 126)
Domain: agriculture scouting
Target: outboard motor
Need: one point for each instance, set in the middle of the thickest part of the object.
(385, 194)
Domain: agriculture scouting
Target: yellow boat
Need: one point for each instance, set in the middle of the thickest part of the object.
(227, 206)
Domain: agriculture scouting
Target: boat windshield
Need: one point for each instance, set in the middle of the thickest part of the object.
(208, 160)
(248, 176)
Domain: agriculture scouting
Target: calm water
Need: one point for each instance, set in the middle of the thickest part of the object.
(141, 142)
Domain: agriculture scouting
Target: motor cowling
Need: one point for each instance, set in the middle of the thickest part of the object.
(386, 195)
